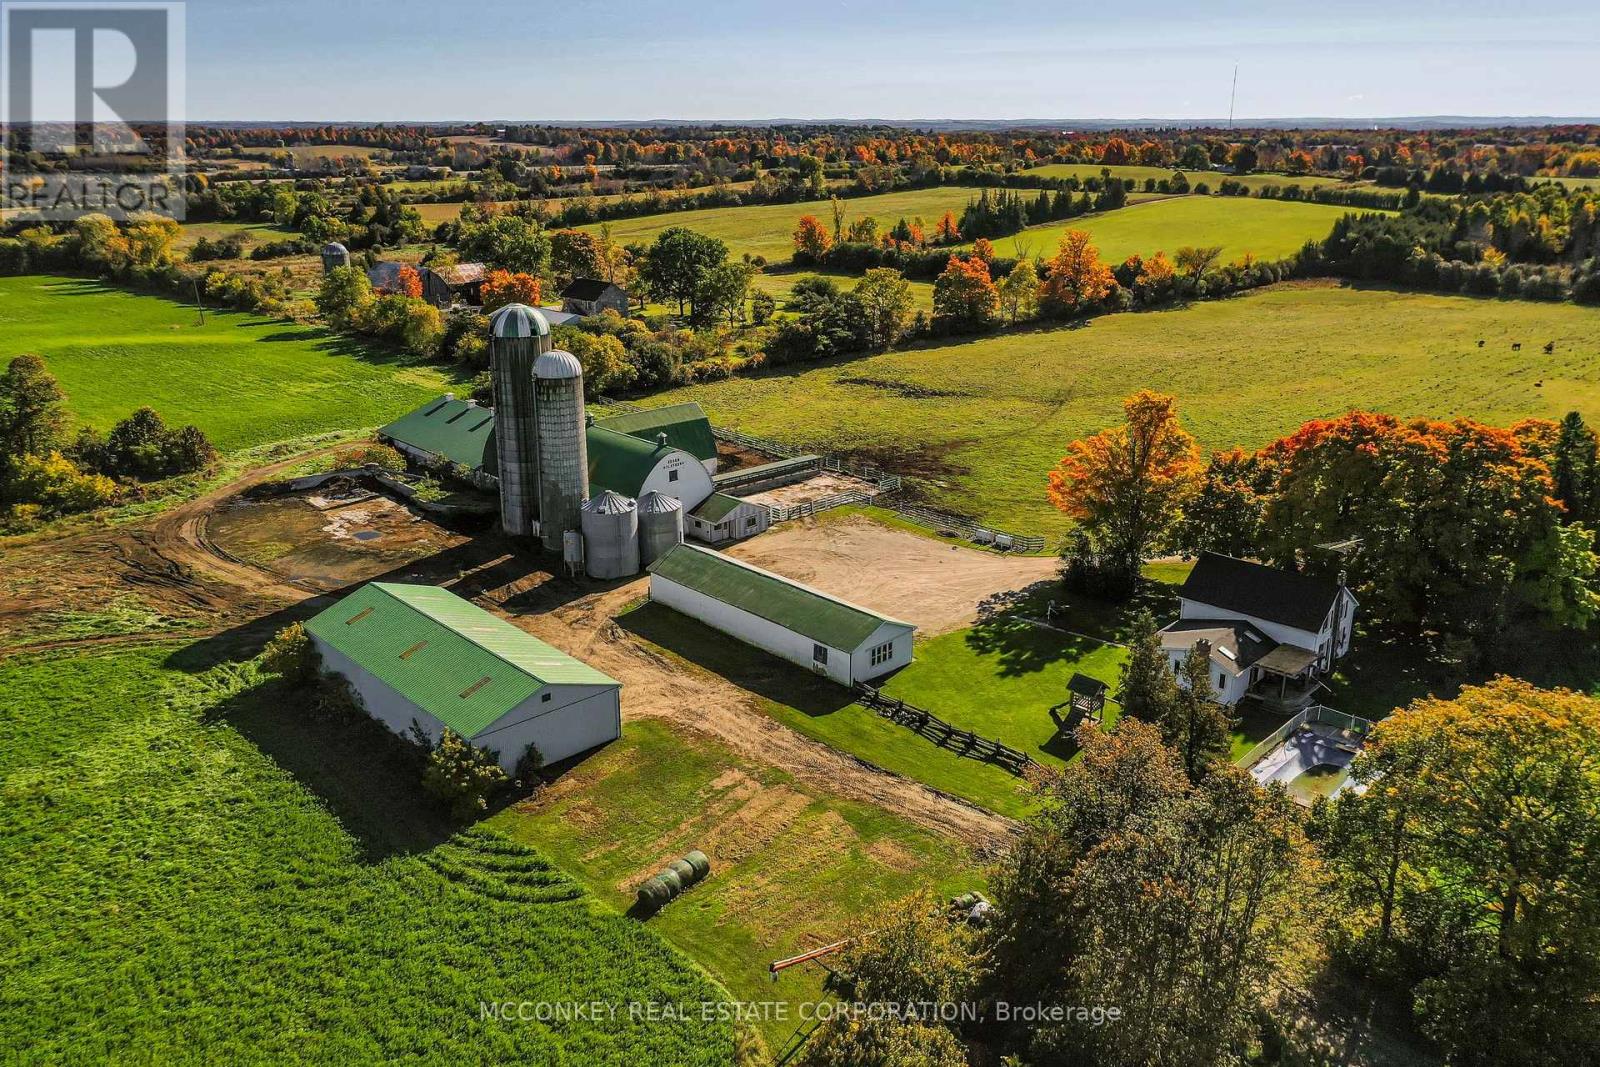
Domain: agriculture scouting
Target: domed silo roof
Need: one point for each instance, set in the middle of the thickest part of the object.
(556, 364)
(334, 248)
(608, 503)
(654, 503)
(518, 320)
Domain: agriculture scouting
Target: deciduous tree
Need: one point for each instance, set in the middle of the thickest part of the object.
(964, 296)
(502, 287)
(1077, 279)
(810, 239)
(886, 296)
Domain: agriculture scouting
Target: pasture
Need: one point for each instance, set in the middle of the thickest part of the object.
(196, 861)
(1213, 178)
(768, 229)
(980, 422)
(308, 153)
(1266, 229)
(781, 285)
(253, 233)
(243, 379)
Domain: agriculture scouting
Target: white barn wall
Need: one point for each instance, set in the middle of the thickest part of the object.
(861, 659)
(751, 629)
(578, 718)
(694, 483)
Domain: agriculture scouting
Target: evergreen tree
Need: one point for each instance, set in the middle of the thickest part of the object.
(1573, 468)
(1195, 724)
(31, 411)
(1149, 689)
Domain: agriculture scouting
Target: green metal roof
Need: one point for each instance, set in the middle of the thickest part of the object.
(717, 507)
(457, 662)
(685, 425)
(619, 462)
(455, 430)
(777, 599)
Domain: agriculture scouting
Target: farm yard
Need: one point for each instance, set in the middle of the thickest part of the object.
(243, 379)
(980, 422)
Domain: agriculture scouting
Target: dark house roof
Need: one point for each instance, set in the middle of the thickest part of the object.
(1235, 646)
(586, 289)
(1266, 593)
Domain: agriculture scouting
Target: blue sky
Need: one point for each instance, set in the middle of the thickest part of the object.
(623, 59)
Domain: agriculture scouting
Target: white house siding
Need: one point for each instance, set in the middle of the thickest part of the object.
(577, 718)
(692, 485)
(861, 666)
(751, 629)
(1232, 688)
(1319, 642)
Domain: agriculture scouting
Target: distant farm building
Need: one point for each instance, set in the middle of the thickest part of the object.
(724, 518)
(1272, 634)
(591, 296)
(461, 283)
(418, 654)
(832, 637)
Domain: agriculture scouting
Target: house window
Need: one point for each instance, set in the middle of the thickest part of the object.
(882, 654)
(819, 653)
(672, 476)
(1222, 681)
(544, 698)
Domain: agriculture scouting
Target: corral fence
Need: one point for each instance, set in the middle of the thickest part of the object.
(941, 733)
(785, 512)
(885, 481)
(1316, 714)
(983, 535)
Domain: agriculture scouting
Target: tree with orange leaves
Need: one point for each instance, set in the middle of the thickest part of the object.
(810, 238)
(1078, 278)
(948, 233)
(408, 282)
(1126, 485)
(501, 287)
(964, 296)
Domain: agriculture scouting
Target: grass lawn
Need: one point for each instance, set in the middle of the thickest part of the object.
(1213, 178)
(782, 284)
(198, 870)
(790, 869)
(254, 233)
(768, 229)
(981, 422)
(243, 379)
(1266, 229)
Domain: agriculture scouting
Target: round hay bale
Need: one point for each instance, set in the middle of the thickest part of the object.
(965, 901)
(698, 861)
(684, 872)
(670, 879)
(653, 893)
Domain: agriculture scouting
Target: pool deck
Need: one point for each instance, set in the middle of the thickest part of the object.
(1307, 748)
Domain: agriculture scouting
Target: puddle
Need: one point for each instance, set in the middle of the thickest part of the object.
(367, 535)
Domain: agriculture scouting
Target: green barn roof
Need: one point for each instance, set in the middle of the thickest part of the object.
(457, 662)
(452, 429)
(777, 599)
(685, 425)
(717, 507)
(619, 462)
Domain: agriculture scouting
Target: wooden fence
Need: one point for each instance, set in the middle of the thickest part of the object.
(1316, 713)
(941, 733)
(783, 513)
(983, 535)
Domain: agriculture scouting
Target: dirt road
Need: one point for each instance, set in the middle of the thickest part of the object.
(939, 587)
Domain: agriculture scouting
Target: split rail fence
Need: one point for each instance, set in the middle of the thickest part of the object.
(941, 733)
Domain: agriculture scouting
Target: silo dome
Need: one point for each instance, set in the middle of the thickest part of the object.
(518, 320)
(556, 365)
(609, 502)
(334, 248)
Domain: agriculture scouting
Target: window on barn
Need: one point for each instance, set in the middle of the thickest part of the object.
(672, 476)
(750, 523)
(882, 654)
(819, 653)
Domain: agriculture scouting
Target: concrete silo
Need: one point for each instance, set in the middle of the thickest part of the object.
(334, 255)
(518, 336)
(660, 526)
(563, 450)
(610, 536)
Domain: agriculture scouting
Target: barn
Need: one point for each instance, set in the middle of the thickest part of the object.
(418, 654)
(722, 518)
(803, 625)
(685, 425)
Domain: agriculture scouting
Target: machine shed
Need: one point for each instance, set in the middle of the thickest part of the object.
(449, 434)
(418, 654)
(806, 626)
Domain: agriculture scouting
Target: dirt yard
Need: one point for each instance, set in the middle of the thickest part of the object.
(815, 487)
(939, 587)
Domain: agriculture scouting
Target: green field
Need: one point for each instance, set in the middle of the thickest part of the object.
(198, 870)
(982, 421)
(768, 229)
(791, 869)
(243, 379)
(305, 153)
(1213, 178)
(1266, 229)
(254, 233)
(780, 285)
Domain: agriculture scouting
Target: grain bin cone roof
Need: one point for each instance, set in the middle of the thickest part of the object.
(556, 365)
(608, 503)
(518, 320)
(654, 503)
(334, 248)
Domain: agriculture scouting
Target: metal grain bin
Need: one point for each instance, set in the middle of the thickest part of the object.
(660, 526)
(611, 536)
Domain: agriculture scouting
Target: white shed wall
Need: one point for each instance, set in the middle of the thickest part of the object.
(889, 633)
(693, 483)
(751, 629)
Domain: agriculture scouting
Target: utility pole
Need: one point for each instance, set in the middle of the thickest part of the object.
(198, 302)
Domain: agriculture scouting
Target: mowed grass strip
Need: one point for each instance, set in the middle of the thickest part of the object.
(1239, 225)
(790, 868)
(981, 422)
(198, 869)
(243, 379)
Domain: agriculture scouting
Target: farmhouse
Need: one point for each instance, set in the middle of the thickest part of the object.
(796, 622)
(417, 654)
(1272, 634)
(591, 296)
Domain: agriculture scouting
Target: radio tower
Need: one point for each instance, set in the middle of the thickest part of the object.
(1233, 94)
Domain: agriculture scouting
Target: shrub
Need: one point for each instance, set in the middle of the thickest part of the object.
(462, 775)
(291, 655)
(381, 456)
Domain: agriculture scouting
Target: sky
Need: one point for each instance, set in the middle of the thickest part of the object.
(332, 60)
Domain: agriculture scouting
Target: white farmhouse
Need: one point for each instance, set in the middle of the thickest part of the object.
(1273, 634)
(417, 654)
(796, 622)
